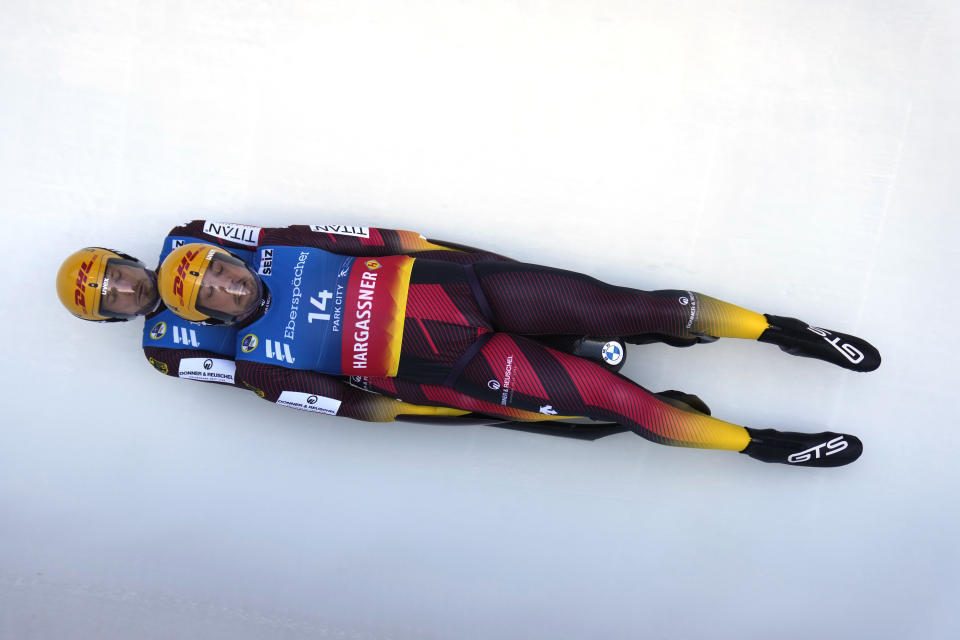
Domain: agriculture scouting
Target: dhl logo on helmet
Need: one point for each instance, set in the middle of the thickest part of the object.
(182, 273)
(79, 297)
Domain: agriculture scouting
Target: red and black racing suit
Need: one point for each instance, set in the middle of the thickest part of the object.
(470, 341)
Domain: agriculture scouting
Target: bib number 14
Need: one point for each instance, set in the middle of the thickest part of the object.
(320, 304)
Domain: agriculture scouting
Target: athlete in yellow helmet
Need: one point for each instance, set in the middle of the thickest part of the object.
(473, 337)
(103, 285)
(203, 283)
(205, 353)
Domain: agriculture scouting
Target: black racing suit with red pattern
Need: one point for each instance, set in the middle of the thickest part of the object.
(476, 340)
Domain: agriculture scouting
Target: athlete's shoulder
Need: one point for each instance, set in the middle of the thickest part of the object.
(231, 235)
(341, 239)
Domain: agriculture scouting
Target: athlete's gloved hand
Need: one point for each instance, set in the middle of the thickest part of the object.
(826, 449)
(800, 339)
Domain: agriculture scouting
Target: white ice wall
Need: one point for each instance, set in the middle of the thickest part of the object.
(797, 158)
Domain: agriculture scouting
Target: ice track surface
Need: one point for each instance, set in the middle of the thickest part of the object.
(795, 158)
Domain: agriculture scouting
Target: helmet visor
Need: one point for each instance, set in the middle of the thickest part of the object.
(230, 291)
(128, 289)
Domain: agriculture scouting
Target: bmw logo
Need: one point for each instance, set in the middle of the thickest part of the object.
(612, 353)
(249, 343)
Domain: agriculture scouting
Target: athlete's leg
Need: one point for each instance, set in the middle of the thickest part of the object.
(516, 373)
(534, 300)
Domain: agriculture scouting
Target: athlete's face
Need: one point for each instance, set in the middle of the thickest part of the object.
(128, 289)
(229, 288)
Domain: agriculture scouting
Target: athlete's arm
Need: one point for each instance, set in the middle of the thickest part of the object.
(229, 235)
(375, 242)
(319, 393)
(192, 364)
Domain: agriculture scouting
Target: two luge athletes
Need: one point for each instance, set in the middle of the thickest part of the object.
(349, 320)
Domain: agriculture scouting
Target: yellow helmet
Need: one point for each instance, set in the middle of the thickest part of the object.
(181, 275)
(81, 284)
